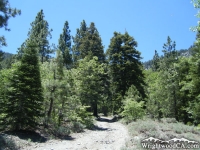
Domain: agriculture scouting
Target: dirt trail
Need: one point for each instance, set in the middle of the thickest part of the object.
(107, 136)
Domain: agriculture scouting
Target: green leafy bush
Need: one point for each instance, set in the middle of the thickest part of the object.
(133, 110)
(133, 105)
(85, 117)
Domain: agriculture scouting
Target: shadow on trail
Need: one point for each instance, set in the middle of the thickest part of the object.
(27, 135)
(67, 137)
(97, 128)
(114, 119)
(103, 119)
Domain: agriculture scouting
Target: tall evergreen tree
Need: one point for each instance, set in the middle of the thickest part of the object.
(65, 45)
(92, 44)
(40, 33)
(170, 53)
(1, 58)
(125, 67)
(169, 83)
(25, 98)
(80, 33)
(156, 58)
(88, 80)
(194, 108)
(89, 42)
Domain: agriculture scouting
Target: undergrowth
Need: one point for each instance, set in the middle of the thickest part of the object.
(165, 129)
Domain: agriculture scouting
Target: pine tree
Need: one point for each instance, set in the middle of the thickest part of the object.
(185, 85)
(55, 89)
(88, 80)
(170, 54)
(88, 42)
(1, 58)
(194, 108)
(25, 98)
(156, 58)
(80, 33)
(39, 33)
(65, 45)
(125, 67)
(92, 44)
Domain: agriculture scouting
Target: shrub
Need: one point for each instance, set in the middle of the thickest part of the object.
(133, 110)
(62, 131)
(168, 120)
(77, 127)
(133, 105)
(84, 117)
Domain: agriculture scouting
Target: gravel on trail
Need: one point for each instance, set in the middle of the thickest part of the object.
(107, 135)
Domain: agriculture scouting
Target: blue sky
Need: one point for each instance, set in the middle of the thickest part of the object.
(148, 21)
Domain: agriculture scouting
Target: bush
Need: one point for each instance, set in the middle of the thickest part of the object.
(62, 131)
(133, 110)
(77, 127)
(7, 143)
(169, 120)
(84, 117)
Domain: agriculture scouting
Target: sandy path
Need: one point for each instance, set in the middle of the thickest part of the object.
(107, 136)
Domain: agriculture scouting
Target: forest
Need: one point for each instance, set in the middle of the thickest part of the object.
(65, 93)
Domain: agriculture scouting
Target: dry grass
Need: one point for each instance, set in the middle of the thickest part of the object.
(165, 129)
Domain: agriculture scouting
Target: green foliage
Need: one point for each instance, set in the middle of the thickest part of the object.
(80, 33)
(24, 99)
(7, 60)
(5, 76)
(169, 88)
(39, 33)
(156, 60)
(88, 81)
(62, 100)
(125, 68)
(133, 110)
(61, 131)
(170, 54)
(155, 94)
(1, 56)
(87, 42)
(65, 45)
(84, 117)
(133, 105)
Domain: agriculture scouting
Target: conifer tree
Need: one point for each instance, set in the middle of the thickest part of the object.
(80, 33)
(1, 58)
(88, 42)
(155, 65)
(92, 44)
(39, 33)
(65, 45)
(88, 83)
(170, 54)
(25, 98)
(125, 67)
(194, 108)
(168, 81)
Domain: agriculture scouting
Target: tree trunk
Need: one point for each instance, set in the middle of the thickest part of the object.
(95, 113)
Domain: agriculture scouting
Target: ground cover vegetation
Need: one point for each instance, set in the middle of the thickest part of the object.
(63, 94)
